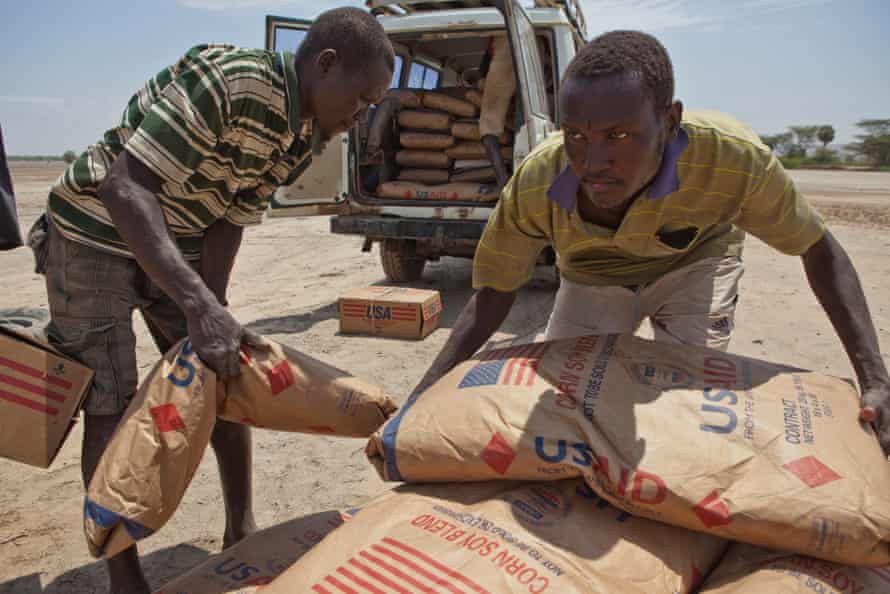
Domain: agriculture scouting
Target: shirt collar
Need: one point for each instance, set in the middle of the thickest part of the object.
(305, 131)
(564, 189)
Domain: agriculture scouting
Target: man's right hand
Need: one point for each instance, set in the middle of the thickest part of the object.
(217, 338)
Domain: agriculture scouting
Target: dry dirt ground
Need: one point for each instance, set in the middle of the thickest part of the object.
(286, 282)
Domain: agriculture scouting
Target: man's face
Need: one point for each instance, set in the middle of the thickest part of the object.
(341, 96)
(614, 136)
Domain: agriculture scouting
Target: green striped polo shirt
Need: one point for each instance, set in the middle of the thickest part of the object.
(221, 128)
(719, 183)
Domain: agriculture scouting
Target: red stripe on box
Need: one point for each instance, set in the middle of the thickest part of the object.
(397, 572)
(416, 568)
(319, 590)
(379, 577)
(36, 390)
(36, 373)
(39, 407)
(359, 581)
(458, 576)
(339, 585)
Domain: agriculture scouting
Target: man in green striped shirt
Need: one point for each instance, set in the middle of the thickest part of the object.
(151, 217)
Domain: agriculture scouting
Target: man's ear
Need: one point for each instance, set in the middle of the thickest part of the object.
(326, 61)
(674, 119)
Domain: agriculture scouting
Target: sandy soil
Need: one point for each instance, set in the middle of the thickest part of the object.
(283, 289)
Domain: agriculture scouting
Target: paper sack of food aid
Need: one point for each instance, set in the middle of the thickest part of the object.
(156, 449)
(501, 537)
(741, 448)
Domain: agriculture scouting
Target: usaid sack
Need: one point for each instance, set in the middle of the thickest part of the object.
(256, 560)
(741, 448)
(747, 569)
(501, 538)
(156, 449)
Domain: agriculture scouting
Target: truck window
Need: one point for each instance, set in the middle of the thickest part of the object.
(423, 77)
(534, 77)
(288, 40)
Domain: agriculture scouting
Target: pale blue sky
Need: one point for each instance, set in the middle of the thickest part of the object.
(68, 68)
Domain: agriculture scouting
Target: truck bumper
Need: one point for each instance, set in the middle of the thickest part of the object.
(375, 228)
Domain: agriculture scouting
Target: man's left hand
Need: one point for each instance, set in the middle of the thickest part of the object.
(876, 410)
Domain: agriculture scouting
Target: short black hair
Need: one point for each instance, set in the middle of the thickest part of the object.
(628, 52)
(356, 35)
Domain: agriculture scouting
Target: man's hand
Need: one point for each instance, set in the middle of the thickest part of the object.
(876, 410)
(217, 338)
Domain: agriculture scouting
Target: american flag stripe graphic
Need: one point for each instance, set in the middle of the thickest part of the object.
(391, 566)
(519, 365)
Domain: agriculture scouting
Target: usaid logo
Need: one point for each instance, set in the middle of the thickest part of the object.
(541, 505)
(660, 375)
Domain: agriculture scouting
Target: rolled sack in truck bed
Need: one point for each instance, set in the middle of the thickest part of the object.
(454, 191)
(475, 150)
(428, 176)
(469, 130)
(423, 159)
(408, 99)
(452, 105)
(425, 120)
(425, 141)
(481, 175)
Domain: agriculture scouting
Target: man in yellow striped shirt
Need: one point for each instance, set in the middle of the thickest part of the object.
(647, 209)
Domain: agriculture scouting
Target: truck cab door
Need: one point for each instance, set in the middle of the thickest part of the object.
(531, 84)
(322, 188)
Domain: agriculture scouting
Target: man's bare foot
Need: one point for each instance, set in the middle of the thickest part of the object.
(234, 536)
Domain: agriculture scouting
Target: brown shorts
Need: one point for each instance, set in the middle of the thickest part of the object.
(92, 295)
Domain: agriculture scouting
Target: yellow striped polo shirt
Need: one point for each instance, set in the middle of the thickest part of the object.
(719, 183)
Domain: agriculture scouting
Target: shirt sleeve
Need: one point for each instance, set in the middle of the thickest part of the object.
(249, 206)
(778, 214)
(516, 233)
(183, 126)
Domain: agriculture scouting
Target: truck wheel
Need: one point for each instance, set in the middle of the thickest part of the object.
(400, 260)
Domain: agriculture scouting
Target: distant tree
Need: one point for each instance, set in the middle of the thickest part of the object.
(825, 135)
(69, 157)
(874, 144)
(805, 136)
(779, 143)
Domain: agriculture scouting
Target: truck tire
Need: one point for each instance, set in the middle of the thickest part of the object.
(400, 260)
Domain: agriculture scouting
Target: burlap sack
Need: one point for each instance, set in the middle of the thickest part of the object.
(425, 141)
(425, 120)
(423, 159)
(475, 150)
(738, 447)
(426, 176)
(474, 97)
(483, 175)
(469, 130)
(456, 191)
(751, 570)
(451, 105)
(156, 449)
(502, 538)
(407, 99)
(256, 560)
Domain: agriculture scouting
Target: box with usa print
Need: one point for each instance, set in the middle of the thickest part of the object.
(746, 568)
(258, 559)
(741, 448)
(40, 395)
(396, 312)
(501, 537)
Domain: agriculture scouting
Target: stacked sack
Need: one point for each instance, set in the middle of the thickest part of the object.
(440, 155)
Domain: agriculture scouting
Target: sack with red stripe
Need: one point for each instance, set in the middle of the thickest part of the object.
(258, 559)
(501, 537)
(741, 448)
(156, 449)
(751, 569)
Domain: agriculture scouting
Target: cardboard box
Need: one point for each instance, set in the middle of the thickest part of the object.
(396, 312)
(40, 393)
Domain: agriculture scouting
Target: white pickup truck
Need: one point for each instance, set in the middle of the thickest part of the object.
(439, 45)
